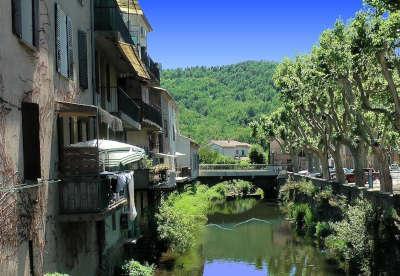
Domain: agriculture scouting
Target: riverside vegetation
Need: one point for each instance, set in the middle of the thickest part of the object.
(182, 216)
(358, 235)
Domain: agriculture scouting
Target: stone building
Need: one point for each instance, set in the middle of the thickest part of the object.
(72, 72)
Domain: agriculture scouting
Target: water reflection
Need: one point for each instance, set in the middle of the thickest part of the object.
(249, 238)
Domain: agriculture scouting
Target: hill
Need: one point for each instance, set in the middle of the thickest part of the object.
(220, 102)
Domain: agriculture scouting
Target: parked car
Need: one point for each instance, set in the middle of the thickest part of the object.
(351, 178)
(394, 167)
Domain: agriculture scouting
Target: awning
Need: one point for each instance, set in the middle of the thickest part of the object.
(177, 154)
(73, 109)
(113, 153)
(83, 110)
(130, 54)
(114, 122)
(133, 7)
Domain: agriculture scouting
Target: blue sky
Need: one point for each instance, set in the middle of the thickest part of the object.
(218, 32)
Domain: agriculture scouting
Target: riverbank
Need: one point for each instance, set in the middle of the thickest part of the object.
(359, 234)
(247, 237)
(182, 215)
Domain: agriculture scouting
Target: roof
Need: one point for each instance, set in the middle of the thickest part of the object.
(229, 143)
(133, 7)
(134, 60)
(190, 139)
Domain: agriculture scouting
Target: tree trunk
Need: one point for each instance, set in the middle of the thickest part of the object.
(340, 177)
(324, 165)
(359, 158)
(386, 183)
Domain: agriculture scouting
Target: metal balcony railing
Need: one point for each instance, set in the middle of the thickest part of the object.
(151, 66)
(108, 17)
(128, 106)
(150, 112)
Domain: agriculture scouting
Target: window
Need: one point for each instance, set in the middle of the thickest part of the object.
(83, 62)
(25, 20)
(31, 140)
(242, 152)
(237, 152)
(64, 52)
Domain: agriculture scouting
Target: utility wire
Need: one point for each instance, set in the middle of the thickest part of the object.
(29, 186)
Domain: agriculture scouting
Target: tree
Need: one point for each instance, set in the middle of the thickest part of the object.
(256, 155)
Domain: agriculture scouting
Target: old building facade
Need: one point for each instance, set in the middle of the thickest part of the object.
(73, 72)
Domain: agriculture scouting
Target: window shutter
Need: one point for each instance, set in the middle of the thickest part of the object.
(36, 18)
(83, 63)
(61, 42)
(16, 17)
(31, 140)
(70, 54)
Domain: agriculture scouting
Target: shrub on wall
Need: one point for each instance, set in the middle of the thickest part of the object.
(134, 268)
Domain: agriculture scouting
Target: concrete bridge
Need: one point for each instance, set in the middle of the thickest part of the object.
(266, 177)
(240, 171)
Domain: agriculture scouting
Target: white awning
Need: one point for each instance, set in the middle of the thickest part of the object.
(177, 154)
(113, 153)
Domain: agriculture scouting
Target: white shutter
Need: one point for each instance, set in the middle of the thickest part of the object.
(61, 42)
(70, 54)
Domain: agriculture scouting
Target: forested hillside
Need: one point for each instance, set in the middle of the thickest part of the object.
(220, 102)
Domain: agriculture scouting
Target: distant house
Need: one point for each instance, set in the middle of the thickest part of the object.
(230, 148)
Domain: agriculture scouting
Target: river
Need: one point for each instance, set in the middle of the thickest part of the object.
(248, 237)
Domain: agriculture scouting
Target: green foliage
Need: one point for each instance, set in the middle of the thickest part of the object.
(220, 102)
(322, 230)
(350, 241)
(181, 216)
(209, 156)
(134, 268)
(257, 155)
(297, 191)
(302, 215)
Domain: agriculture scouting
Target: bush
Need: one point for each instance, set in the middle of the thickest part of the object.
(256, 155)
(55, 274)
(350, 242)
(134, 268)
(322, 230)
(302, 215)
(298, 192)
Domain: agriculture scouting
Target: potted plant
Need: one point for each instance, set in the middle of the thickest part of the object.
(161, 169)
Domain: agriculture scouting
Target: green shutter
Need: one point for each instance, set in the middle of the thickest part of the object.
(16, 17)
(70, 54)
(83, 62)
(36, 18)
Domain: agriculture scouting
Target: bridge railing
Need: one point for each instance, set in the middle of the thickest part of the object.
(241, 167)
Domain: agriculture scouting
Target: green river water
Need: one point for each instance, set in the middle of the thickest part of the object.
(248, 237)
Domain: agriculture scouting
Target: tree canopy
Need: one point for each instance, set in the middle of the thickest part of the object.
(220, 102)
(345, 92)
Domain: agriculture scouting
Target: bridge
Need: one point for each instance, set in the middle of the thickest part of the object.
(266, 177)
(241, 171)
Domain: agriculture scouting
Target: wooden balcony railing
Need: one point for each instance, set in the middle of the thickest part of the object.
(82, 190)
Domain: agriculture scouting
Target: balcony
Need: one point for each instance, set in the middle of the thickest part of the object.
(108, 17)
(83, 191)
(150, 113)
(152, 67)
(128, 107)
